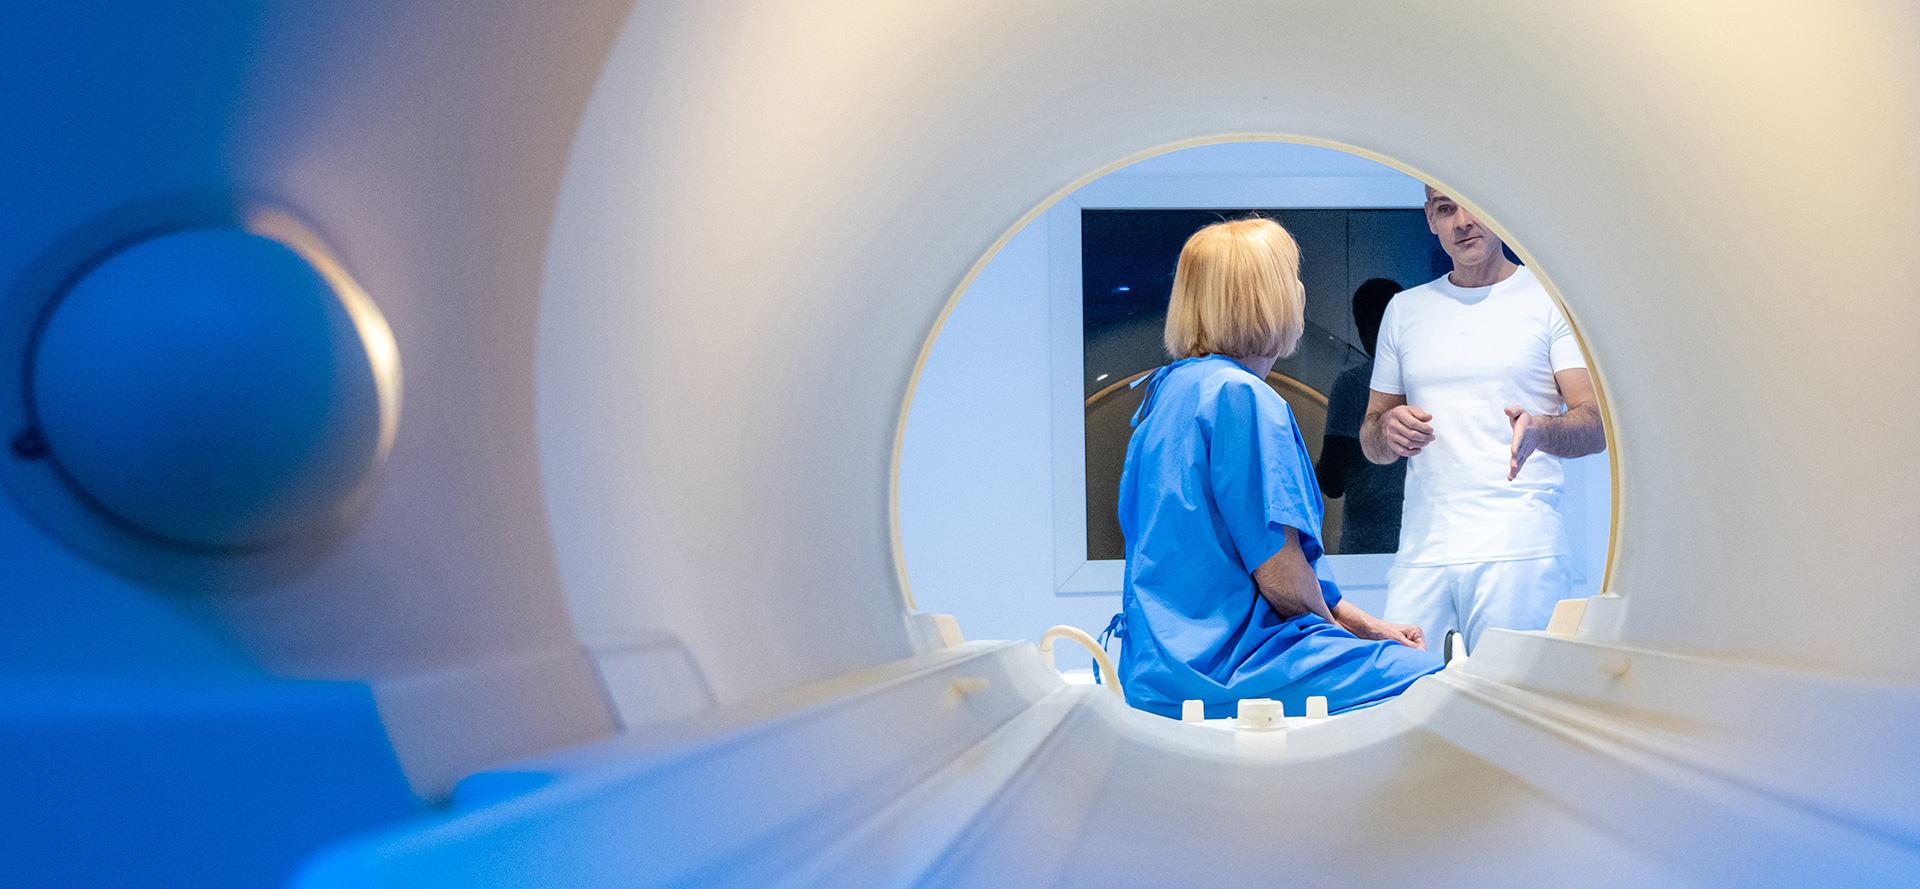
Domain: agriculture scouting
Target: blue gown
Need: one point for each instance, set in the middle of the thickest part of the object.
(1215, 471)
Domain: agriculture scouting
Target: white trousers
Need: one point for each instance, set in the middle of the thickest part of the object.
(1517, 594)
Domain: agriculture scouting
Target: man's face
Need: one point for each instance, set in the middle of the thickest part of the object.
(1462, 236)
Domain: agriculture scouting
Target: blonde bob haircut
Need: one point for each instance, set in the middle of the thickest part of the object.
(1237, 292)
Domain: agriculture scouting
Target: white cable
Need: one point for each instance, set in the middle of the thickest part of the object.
(1107, 673)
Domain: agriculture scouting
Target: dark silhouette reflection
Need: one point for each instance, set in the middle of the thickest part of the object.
(1372, 493)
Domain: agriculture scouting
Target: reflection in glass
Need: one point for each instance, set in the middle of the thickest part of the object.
(1128, 256)
(1371, 495)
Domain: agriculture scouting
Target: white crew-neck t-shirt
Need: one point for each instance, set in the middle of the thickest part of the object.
(1463, 354)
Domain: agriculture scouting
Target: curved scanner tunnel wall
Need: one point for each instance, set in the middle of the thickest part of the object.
(661, 277)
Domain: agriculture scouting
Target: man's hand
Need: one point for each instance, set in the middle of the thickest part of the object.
(1575, 433)
(1527, 432)
(1392, 428)
(1406, 429)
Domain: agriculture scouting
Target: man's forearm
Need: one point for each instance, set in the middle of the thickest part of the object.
(1575, 433)
(1373, 441)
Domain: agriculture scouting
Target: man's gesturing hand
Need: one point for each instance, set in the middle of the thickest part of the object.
(1528, 429)
(1405, 429)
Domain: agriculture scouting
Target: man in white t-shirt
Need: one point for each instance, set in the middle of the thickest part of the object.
(1469, 376)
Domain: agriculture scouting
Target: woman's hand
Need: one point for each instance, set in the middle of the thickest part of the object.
(1289, 585)
(1405, 634)
(1366, 626)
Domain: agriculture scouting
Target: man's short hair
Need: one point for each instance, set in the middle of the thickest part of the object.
(1237, 292)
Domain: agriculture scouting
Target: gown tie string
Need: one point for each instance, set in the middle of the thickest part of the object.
(1115, 627)
(1152, 382)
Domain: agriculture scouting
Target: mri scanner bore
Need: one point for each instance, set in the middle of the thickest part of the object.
(588, 496)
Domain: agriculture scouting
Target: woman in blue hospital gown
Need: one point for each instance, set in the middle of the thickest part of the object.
(1222, 515)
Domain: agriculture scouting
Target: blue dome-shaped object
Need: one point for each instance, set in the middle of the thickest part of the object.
(208, 387)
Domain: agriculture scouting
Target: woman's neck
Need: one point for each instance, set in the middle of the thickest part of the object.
(1259, 365)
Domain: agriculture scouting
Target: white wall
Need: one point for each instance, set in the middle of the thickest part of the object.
(991, 469)
(976, 468)
(719, 390)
